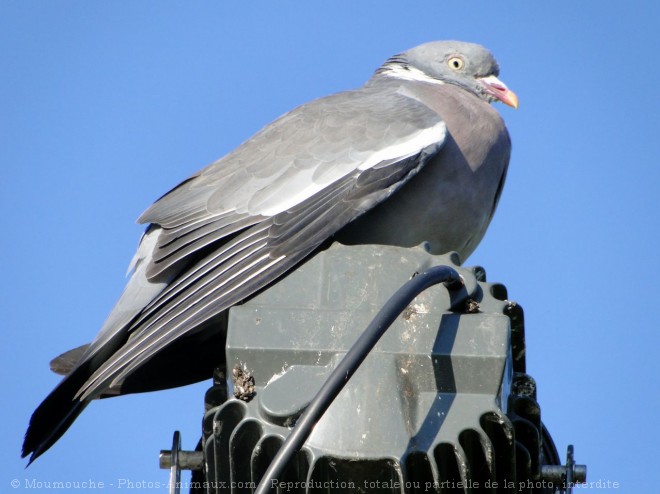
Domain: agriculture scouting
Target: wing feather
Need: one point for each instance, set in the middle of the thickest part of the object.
(301, 183)
(292, 159)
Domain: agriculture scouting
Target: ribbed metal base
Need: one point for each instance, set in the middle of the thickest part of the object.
(442, 405)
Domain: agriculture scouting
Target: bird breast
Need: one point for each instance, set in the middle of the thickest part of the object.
(450, 202)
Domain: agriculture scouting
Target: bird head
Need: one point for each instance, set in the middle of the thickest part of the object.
(467, 65)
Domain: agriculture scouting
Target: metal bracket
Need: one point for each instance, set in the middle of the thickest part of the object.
(177, 460)
(565, 475)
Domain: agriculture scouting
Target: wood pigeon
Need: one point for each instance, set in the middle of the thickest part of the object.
(415, 155)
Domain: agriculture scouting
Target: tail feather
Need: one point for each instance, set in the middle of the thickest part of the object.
(55, 415)
(61, 407)
(64, 364)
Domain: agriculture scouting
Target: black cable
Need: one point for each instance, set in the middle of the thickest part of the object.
(350, 363)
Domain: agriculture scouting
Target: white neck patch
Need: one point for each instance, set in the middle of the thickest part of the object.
(408, 73)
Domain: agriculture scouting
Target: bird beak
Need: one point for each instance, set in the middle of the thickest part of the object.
(499, 91)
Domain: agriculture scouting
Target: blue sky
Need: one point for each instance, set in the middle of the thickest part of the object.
(104, 106)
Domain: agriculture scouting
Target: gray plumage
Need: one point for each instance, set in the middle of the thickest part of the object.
(417, 154)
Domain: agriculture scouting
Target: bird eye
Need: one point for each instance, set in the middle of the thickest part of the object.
(456, 63)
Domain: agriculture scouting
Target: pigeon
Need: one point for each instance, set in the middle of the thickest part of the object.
(417, 154)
